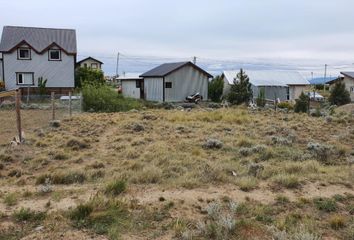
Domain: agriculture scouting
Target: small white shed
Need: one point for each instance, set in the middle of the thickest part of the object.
(132, 86)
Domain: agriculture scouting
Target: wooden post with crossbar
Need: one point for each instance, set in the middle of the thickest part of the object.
(53, 106)
(18, 114)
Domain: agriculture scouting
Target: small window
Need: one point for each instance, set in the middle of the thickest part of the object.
(85, 65)
(352, 89)
(54, 55)
(168, 85)
(24, 78)
(138, 84)
(94, 65)
(24, 54)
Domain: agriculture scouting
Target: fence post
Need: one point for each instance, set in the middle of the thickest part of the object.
(81, 102)
(28, 93)
(70, 108)
(18, 114)
(53, 106)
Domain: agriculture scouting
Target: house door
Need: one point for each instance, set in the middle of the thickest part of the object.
(142, 89)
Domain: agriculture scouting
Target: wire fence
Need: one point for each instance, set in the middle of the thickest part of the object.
(35, 112)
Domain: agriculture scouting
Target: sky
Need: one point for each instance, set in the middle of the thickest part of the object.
(301, 35)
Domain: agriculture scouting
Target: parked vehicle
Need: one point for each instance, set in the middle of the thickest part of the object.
(194, 98)
(315, 96)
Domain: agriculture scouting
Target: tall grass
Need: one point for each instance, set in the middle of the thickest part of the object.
(102, 98)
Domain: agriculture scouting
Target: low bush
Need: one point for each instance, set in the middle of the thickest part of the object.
(285, 105)
(101, 98)
(101, 216)
(325, 204)
(337, 222)
(287, 181)
(26, 214)
(115, 188)
(10, 199)
(62, 178)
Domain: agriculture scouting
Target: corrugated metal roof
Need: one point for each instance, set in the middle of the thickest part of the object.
(129, 76)
(167, 68)
(349, 74)
(38, 38)
(269, 78)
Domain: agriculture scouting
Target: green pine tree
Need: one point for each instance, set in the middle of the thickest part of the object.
(240, 91)
(339, 95)
(302, 104)
(215, 90)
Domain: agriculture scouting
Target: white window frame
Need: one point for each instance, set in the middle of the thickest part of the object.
(19, 53)
(23, 83)
(50, 57)
(94, 64)
(352, 89)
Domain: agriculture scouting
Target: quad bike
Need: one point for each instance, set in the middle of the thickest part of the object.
(194, 98)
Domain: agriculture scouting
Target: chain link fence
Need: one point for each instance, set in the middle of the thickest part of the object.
(36, 112)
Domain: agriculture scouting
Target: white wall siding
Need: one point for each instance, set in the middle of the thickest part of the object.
(186, 81)
(59, 73)
(153, 88)
(129, 89)
(88, 63)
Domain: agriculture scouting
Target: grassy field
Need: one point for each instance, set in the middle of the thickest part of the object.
(158, 174)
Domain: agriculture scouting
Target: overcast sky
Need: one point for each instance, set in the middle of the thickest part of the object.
(302, 34)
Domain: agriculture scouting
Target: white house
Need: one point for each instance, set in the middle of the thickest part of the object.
(172, 82)
(90, 62)
(348, 80)
(283, 85)
(30, 53)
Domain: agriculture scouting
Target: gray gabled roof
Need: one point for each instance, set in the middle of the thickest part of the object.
(348, 74)
(88, 58)
(167, 68)
(39, 39)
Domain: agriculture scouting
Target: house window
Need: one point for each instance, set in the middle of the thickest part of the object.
(138, 84)
(168, 85)
(85, 65)
(94, 65)
(352, 89)
(24, 78)
(54, 55)
(24, 54)
(288, 93)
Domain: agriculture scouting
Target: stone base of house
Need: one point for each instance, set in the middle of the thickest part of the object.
(49, 90)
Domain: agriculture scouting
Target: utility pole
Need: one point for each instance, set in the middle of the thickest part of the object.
(195, 60)
(325, 77)
(117, 68)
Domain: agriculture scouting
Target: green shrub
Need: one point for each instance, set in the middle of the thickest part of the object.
(102, 98)
(302, 104)
(325, 204)
(339, 95)
(81, 212)
(88, 76)
(116, 187)
(285, 105)
(103, 217)
(215, 89)
(26, 214)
